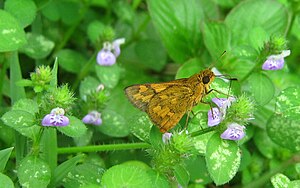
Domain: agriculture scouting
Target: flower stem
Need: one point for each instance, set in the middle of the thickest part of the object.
(202, 131)
(108, 147)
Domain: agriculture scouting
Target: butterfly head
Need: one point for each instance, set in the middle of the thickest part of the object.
(206, 77)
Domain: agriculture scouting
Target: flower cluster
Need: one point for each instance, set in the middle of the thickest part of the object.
(108, 54)
(56, 118)
(216, 115)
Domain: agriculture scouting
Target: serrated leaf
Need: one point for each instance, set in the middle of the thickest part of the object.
(4, 156)
(177, 22)
(109, 75)
(216, 38)
(27, 105)
(130, 176)
(71, 60)
(38, 46)
(113, 124)
(272, 16)
(12, 36)
(23, 10)
(33, 172)
(280, 127)
(223, 158)
(21, 121)
(6, 181)
(262, 88)
(75, 129)
(280, 181)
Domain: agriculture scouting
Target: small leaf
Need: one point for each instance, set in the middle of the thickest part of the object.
(189, 68)
(27, 105)
(33, 172)
(223, 158)
(75, 129)
(4, 156)
(95, 31)
(293, 184)
(155, 137)
(262, 87)
(113, 124)
(23, 10)
(130, 176)
(12, 36)
(21, 121)
(71, 60)
(177, 22)
(6, 181)
(288, 102)
(141, 126)
(280, 181)
(196, 165)
(38, 46)
(88, 85)
(109, 75)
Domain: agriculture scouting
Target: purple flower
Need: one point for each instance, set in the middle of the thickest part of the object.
(108, 54)
(276, 62)
(106, 58)
(56, 118)
(166, 137)
(234, 131)
(93, 118)
(214, 117)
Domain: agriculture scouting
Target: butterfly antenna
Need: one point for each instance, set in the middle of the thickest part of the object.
(218, 59)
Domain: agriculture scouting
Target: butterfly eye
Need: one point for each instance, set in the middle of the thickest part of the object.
(205, 79)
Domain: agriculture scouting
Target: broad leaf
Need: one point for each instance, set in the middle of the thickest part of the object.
(75, 129)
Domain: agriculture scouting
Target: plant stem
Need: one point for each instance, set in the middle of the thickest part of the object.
(202, 131)
(108, 147)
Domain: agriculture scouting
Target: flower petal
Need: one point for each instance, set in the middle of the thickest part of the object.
(273, 64)
(166, 137)
(234, 131)
(214, 117)
(106, 58)
(46, 120)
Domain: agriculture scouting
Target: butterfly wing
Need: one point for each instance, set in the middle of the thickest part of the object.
(165, 103)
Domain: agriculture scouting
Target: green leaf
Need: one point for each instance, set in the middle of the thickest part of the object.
(75, 129)
(189, 68)
(38, 46)
(288, 102)
(223, 158)
(69, 12)
(113, 124)
(270, 15)
(280, 181)
(293, 184)
(27, 105)
(196, 165)
(6, 181)
(158, 180)
(130, 176)
(216, 38)
(109, 75)
(262, 88)
(264, 144)
(84, 174)
(23, 10)
(4, 156)
(281, 127)
(177, 22)
(87, 86)
(151, 53)
(33, 172)
(155, 137)
(141, 126)
(63, 169)
(21, 121)
(12, 36)
(51, 10)
(181, 175)
(226, 3)
(95, 30)
(71, 60)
